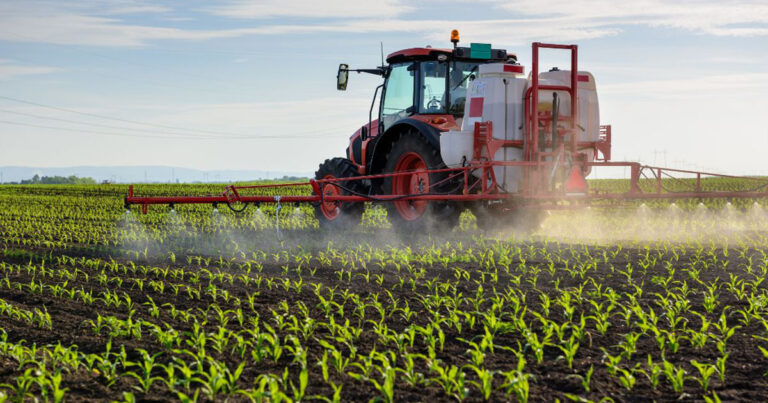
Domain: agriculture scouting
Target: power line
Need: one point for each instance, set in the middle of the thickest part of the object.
(181, 135)
(148, 136)
(229, 135)
(88, 123)
(81, 130)
(114, 118)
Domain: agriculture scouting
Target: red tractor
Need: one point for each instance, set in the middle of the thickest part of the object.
(423, 95)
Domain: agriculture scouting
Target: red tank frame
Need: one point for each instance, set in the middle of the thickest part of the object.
(539, 190)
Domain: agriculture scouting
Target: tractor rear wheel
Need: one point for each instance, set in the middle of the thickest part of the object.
(414, 156)
(334, 214)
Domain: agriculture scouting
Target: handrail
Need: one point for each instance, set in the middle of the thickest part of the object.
(536, 183)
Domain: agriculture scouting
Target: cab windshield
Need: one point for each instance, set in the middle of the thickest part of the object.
(440, 95)
(398, 97)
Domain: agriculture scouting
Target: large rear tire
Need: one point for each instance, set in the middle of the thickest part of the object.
(337, 214)
(412, 154)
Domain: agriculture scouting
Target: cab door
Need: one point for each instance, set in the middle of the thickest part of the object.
(399, 95)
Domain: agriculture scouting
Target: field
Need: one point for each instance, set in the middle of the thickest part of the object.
(633, 303)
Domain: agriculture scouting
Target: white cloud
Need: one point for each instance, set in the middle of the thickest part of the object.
(114, 7)
(9, 69)
(139, 9)
(711, 17)
(312, 8)
(86, 23)
(66, 27)
(684, 87)
(95, 23)
(178, 19)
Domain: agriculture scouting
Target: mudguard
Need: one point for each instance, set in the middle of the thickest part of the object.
(384, 142)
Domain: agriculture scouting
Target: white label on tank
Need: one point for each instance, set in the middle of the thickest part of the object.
(478, 89)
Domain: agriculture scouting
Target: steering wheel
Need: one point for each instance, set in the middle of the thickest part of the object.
(434, 104)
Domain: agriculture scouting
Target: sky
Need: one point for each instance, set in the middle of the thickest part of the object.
(250, 84)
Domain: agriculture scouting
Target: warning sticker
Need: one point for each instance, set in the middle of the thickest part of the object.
(476, 107)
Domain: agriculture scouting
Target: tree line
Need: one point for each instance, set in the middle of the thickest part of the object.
(58, 180)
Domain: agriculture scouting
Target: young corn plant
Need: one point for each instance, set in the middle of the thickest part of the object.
(485, 381)
(705, 373)
(51, 389)
(569, 349)
(516, 382)
(675, 376)
(144, 375)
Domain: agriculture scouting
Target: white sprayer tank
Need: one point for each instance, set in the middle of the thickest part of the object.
(495, 96)
(589, 111)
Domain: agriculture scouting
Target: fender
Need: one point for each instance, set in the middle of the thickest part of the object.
(384, 141)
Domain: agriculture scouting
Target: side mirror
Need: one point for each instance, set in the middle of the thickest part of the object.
(342, 77)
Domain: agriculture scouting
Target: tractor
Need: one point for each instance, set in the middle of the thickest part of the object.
(423, 95)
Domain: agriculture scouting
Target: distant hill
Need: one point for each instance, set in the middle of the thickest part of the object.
(144, 174)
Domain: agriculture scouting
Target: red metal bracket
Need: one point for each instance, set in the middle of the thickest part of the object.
(604, 144)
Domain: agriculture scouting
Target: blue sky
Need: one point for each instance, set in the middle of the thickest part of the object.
(251, 84)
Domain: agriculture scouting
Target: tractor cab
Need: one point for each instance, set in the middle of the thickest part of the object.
(424, 89)
(428, 81)
(425, 86)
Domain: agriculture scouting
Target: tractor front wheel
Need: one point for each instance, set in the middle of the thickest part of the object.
(334, 213)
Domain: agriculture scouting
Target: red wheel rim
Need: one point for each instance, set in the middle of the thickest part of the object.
(330, 209)
(416, 181)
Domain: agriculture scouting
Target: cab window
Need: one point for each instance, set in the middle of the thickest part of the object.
(461, 74)
(433, 98)
(398, 98)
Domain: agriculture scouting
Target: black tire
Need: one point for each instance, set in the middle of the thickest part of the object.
(347, 214)
(435, 215)
(496, 218)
